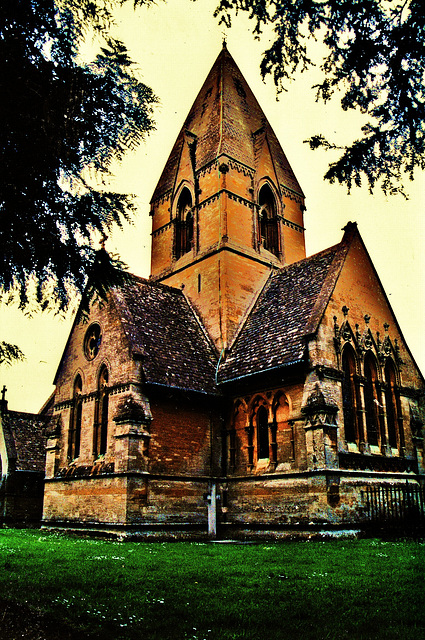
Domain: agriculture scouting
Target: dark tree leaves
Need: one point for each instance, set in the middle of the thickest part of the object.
(61, 119)
(376, 58)
(10, 353)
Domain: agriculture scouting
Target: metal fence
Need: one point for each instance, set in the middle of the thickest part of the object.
(399, 505)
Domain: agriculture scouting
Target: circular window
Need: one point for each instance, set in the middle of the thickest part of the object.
(92, 341)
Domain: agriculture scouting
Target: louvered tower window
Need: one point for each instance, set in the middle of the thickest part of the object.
(184, 224)
(267, 220)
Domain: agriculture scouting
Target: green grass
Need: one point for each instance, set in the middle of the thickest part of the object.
(354, 589)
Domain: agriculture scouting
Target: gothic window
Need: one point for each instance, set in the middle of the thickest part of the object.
(101, 414)
(267, 220)
(184, 224)
(74, 436)
(349, 395)
(392, 402)
(263, 432)
(371, 397)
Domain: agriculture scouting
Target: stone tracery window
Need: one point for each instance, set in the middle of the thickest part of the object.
(74, 434)
(100, 437)
(267, 220)
(184, 224)
(393, 408)
(372, 399)
(350, 395)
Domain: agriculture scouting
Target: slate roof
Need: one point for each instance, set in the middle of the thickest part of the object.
(224, 118)
(25, 440)
(288, 309)
(163, 330)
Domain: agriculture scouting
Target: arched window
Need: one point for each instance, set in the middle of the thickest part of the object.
(74, 436)
(371, 398)
(349, 396)
(184, 224)
(263, 432)
(100, 439)
(267, 220)
(392, 402)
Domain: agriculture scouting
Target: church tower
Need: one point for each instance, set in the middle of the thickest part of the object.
(227, 209)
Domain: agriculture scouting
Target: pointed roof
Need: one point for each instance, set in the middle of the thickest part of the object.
(164, 332)
(226, 119)
(288, 310)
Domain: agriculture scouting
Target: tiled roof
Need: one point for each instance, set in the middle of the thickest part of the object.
(224, 117)
(288, 309)
(162, 328)
(26, 440)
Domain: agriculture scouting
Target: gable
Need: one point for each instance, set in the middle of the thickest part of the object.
(144, 324)
(367, 311)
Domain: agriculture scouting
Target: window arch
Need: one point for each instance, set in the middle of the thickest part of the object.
(74, 436)
(100, 439)
(350, 396)
(392, 402)
(267, 220)
(184, 223)
(372, 399)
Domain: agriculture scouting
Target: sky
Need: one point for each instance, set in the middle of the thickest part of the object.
(174, 45)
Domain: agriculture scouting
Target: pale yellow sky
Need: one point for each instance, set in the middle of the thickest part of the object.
(175, 44)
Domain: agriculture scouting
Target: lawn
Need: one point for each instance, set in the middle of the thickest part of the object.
(54, 586)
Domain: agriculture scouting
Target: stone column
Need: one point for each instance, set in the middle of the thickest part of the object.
(132, 436)
(321, 431)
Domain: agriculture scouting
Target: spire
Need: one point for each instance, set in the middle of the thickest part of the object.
(227, 119)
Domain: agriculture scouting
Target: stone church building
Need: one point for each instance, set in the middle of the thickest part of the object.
(244, 388)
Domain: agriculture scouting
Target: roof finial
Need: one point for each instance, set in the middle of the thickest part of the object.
(224, 40)
(3, 401)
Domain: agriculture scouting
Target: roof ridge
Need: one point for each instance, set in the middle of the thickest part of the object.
(334, 270)
(153, 283)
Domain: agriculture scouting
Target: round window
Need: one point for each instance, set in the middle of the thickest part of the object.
(92, 341)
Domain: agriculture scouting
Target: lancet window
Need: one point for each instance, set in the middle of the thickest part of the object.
(100, 436)
(184, 224)
(393, 408)
(350, 395)
(267, 220)
(74, 435)
(372, 399)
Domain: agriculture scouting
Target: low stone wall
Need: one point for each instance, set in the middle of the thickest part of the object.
(128, 502)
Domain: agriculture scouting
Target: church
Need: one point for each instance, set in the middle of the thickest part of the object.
(244, 389)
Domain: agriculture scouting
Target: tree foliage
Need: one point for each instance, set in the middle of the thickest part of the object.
(375, 57)
(62, 121)
(10, 353)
